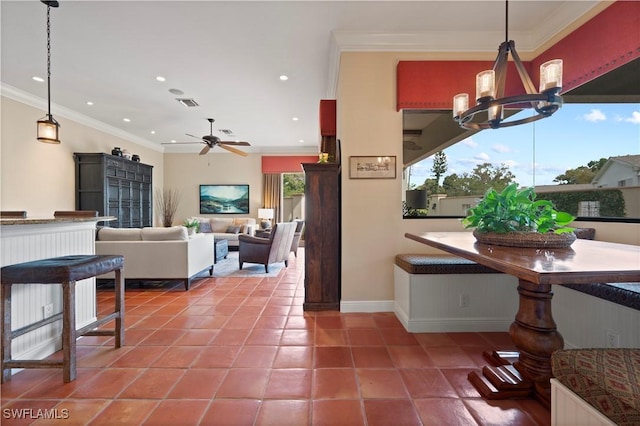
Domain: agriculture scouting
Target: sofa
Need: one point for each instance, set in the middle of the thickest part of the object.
(223, 228)
(158, 253)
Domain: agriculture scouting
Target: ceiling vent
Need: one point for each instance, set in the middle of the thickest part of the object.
(226, 132)
(188, 102)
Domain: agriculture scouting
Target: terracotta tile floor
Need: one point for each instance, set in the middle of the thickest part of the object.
(241, 351)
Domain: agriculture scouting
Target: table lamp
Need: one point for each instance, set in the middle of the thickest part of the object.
(265, 215)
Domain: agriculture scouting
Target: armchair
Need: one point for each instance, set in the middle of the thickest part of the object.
(296, 236)
(270, 250)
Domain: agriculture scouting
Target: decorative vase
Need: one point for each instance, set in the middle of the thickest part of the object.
(116, 151)
(135, 157)
(526, 239)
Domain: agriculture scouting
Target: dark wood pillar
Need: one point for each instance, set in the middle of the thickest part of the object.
(322, 236)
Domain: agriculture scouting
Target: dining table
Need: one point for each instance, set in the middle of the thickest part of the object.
(527, 371)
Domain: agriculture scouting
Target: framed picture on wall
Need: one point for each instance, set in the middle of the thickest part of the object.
(224, 199)
(373, 167)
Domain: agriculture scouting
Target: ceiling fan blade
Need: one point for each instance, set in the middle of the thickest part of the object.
(234, 150)
(193, 136)
(235, 143)
(205, 150)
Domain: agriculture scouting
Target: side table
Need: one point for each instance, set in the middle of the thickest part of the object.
(221, 249)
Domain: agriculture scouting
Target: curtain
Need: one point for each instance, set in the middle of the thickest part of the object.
(271, 190)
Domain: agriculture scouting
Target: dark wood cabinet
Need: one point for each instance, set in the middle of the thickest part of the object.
(115, 186)
(322, 242)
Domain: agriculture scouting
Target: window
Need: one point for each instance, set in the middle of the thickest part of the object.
(579, 155)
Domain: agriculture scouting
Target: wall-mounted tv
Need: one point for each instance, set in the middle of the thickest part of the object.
(224, 199)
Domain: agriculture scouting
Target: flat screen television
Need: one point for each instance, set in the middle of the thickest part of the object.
(224, 199)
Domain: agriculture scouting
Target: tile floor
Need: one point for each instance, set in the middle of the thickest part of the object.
(241, 351)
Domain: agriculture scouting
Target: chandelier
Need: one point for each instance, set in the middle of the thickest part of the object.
(488, 113)
(48, 127)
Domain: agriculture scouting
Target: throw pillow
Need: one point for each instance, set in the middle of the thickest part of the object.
(205, 227)
(232, 229)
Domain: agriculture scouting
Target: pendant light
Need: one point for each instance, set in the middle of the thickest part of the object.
(490, 97)
(48, 127)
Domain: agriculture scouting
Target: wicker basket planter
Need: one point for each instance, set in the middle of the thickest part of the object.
(526, 239)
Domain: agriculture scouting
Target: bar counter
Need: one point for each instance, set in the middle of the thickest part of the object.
(45, 221)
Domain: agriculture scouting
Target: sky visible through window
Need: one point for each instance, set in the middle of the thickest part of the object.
(538, 152)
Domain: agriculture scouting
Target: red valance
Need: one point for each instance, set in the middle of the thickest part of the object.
(607, 41)
(286, 163)
(327, 117)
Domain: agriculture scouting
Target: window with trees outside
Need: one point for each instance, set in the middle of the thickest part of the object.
(585, 159)
(292, 196)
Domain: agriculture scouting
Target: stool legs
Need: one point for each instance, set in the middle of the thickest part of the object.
(6, 331)
(119, 330)
(69, 331)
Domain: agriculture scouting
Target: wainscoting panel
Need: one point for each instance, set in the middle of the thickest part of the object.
(430, 303)
(24, 243)
(585, 320)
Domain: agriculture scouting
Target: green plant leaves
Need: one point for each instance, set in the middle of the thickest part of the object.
(514, 210)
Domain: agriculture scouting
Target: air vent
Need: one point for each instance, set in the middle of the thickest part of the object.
(188, 102)
(226, 132)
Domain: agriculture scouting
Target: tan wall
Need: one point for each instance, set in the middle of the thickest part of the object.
(186, 172)
(372, 225)
(39, 177)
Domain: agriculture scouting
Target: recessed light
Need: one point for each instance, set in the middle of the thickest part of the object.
(301, 141)
(38, 79)
(89, 103)
(173, 141)
(127, 120)
(284, 77)
(153, 132)
(161, 78)
(295, 118)
(176, 92)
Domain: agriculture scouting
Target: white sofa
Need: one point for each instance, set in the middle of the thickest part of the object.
(158, 253)
(223, 228)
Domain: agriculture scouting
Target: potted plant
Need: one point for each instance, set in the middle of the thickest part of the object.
(514, 217)
(167, 201)
(192, 225)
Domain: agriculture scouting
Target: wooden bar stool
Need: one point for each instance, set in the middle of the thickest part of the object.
(64, 270)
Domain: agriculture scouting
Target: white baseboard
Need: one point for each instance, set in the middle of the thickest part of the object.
(453, 325)
(366, 306)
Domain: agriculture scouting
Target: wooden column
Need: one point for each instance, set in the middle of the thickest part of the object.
(322, 236)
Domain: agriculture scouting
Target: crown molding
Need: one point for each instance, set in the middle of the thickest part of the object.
(21, 96)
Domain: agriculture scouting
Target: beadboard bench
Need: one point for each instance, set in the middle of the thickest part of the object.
(451, 294)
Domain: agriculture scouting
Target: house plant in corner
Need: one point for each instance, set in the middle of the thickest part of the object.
(515, 218)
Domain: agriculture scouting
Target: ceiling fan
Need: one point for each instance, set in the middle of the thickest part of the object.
(211, 141)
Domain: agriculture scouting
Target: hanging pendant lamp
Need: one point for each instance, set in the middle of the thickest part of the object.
(490, 99)
(48, 127)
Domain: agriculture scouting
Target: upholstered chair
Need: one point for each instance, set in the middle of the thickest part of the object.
(270, 250)
(296, 236)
